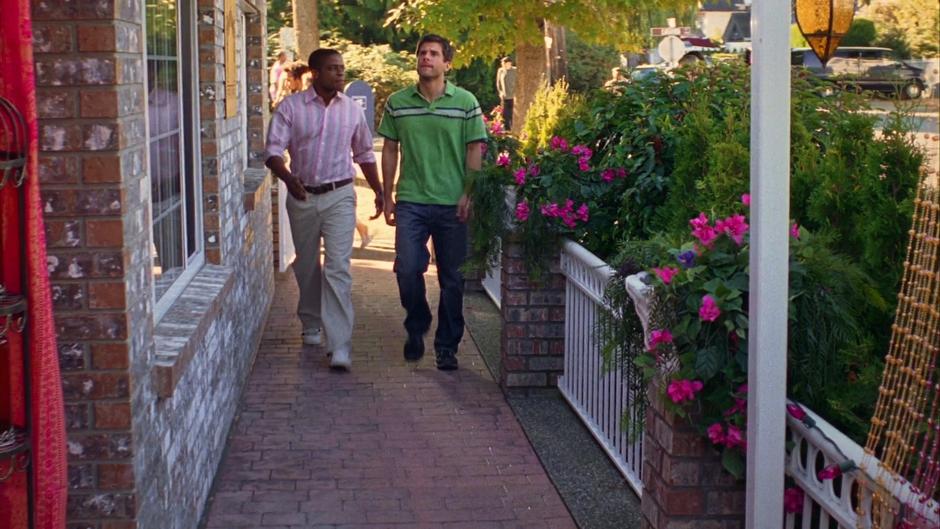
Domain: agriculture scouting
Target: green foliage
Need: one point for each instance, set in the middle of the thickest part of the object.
(589, 65)
(491, 28)
(479, 77)
(361, 21)
(547, 116)
(280, 15)
(383, 69)
(861, 33)
(488, 191)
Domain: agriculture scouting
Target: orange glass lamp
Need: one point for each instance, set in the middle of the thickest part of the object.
(823, 23)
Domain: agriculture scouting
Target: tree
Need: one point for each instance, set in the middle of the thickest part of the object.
(915, 22)
(490, 28)
(861, 33)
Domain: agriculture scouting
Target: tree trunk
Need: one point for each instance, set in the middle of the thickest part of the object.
(306, 27)
(531, 64)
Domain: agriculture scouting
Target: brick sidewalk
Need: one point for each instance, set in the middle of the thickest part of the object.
(389, 444)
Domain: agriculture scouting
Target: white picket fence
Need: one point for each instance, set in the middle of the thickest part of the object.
(599, 394)
(832, 503)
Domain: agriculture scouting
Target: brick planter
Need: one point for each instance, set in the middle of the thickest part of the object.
(684, 484)
(533, 333)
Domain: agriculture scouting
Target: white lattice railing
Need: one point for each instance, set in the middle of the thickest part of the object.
(832, 503)
(598, 394)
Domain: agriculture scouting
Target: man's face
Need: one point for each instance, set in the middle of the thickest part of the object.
(431, 63)
(507, 64)
(332, 74)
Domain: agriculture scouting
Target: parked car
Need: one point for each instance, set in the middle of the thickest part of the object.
(865, 68)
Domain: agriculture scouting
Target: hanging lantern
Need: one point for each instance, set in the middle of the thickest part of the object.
(823, 23)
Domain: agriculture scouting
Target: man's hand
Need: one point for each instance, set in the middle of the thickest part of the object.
(390, 212)
(379, 206)
(296, 188)
(464, 208)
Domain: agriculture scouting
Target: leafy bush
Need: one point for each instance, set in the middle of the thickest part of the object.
(589, 65)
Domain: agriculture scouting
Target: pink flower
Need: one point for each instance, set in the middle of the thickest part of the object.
(703, 231)
(682, 390)
(550, 210)
(520, 176)
(659, 336)
(709, 310)
(558, 143)
(830, 472)
(795, 231)
(742, 388)
(796, 411)
(581, 150)
(496, 127)
(793, 500)
(483, 149)
(502, 160)
(666, 273)
(739, 406)
(716, 433)
(583, 212)
(533, 170)
(734, 226)
(746, 199)
(522, 211)
(583, 165)
(735, 437)
(621, 172)
(607, 175)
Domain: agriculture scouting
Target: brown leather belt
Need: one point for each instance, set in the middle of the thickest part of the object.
(326, 188)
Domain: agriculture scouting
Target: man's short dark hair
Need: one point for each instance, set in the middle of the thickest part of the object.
(506, 59)
(446, 48)
(319, 56)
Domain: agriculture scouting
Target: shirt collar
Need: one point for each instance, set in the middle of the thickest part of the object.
(449, 90)
(311, 95)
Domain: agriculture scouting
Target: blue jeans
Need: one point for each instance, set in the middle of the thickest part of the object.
(415, 224)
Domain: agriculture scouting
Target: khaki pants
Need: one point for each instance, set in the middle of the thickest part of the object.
(325, 290)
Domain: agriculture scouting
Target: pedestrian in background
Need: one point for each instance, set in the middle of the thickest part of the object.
(438, 129)
(325, 132)
(506, 86)
(276, 76)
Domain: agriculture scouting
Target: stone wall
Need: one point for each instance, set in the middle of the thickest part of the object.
(148, 403)
(684, 484)
(533, 332)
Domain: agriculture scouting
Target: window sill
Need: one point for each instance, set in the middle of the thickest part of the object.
(255, 188)
(182, 329)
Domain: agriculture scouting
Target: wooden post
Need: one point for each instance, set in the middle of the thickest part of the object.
(306, 27)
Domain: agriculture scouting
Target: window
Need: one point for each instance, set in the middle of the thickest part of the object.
(175, 190)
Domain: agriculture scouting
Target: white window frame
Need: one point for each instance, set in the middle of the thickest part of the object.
(187, 30)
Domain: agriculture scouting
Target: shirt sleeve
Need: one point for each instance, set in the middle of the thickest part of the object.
(387, 128)
(473, 127)
(278, 132)
(362, 140)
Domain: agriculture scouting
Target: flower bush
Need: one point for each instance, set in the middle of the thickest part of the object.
(697, 347)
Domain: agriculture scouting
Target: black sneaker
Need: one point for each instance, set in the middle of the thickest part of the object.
(414, 347)
(446, 360)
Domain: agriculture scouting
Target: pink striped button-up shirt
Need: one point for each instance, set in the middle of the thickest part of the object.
(323, 140)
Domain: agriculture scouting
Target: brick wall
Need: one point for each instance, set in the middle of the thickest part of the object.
(137, 459)
(684, 485)
(533, 332)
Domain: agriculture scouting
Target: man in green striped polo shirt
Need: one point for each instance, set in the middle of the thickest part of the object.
(438, 129)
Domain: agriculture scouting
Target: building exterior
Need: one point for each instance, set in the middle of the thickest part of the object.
(726, 21)
(158, 218)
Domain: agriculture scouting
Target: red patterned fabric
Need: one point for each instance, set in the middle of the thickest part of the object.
(47, 420)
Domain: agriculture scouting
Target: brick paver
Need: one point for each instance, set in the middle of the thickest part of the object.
(387, 445)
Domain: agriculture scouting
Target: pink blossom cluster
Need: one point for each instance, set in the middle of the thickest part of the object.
(793, 500)
(740, 403)
(558, 143)
(703, 230)
(609, 174)
(584, 156)
(519, 175)
(496, 127)
(682, 390)
(734, 227)
(503, 159)
(709, 310)
(657, 337)
(666, 273)
(730, 436)
(566, 213)
(522, 211)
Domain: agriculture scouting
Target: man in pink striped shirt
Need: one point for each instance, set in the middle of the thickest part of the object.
(324, 131)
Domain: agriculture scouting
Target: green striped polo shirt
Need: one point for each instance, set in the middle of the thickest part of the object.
(433, 139)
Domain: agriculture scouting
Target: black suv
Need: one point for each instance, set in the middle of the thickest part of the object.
(865, 68)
